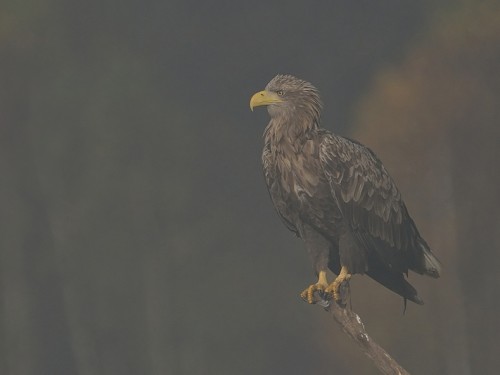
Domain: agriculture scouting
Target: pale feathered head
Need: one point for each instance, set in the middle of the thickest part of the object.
(289, 97)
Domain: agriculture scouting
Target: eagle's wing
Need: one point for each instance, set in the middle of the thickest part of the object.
(274, 191)
(370, 202)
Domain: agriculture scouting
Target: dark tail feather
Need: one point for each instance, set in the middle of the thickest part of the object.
(396, 282)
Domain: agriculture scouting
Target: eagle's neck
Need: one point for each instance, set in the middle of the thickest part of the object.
(287, 133)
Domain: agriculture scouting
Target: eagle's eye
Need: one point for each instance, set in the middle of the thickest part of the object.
(280, 92)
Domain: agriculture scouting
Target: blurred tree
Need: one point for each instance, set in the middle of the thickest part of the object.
(435, 122)
(35, 332)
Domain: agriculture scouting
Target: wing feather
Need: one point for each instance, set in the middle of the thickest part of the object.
(368, 198)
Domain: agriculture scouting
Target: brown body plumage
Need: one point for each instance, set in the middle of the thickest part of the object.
(336, 195)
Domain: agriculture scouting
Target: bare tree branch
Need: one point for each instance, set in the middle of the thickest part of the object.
(352, 325)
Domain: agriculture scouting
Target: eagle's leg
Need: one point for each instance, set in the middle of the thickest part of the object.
(334, 288)
(308, 294)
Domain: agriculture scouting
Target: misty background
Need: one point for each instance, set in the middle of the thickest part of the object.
(136, 232)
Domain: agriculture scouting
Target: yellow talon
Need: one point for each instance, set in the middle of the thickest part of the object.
(320, 286)
(334, 288)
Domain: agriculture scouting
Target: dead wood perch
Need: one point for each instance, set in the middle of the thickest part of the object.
(352, 325)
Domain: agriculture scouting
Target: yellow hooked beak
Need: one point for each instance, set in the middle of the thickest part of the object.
(264, 98)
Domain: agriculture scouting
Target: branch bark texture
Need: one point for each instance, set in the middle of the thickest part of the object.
(352, 325)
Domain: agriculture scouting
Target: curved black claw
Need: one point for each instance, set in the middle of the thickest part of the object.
(315, 293)
(325, 299)
(317, 296)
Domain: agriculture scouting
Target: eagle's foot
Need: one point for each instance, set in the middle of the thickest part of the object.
(334, 288)
(308, 294)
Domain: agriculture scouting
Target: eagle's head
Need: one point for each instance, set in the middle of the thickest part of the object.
(289, 97)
